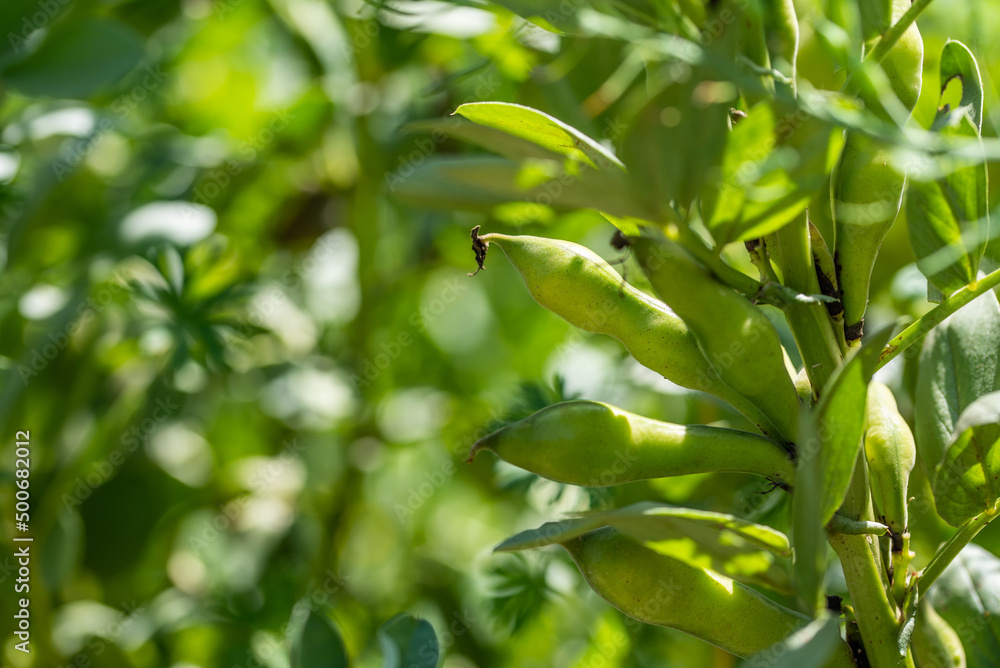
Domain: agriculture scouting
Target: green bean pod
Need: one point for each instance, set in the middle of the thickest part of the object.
(735, 335)
(597, 445)
(867, 190)
(867, 196)
(935, 644)
(657, 589)
(891, 455)
(575, 283)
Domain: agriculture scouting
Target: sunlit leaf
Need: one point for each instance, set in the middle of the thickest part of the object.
(740, 549)
(541, 129)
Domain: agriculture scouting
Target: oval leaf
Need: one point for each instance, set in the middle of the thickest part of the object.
(949, 218)
(967, 596)
(78, 59)
(960, 363)
(318, 645)
(968, 480)
(408, 642)
(541, 129)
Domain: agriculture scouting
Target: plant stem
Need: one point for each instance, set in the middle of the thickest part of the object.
(878, 624)
(951, 548)
(893, 34)
(695, 245)
(810, 323)
(925, 323)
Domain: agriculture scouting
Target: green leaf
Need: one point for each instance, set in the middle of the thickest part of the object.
(497, 141)
(16, 25)
(77, 59)
(318, 645)
(832, 440)
(482, 183)
(967, 596)
(968, 479)
(541, 129)
(960, 363)
(772, 168)
(949, 217)
(408, 642)
(809, 647)
(957, 61)
(740, 549)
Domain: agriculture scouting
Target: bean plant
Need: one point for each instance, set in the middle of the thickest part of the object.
(752, 200)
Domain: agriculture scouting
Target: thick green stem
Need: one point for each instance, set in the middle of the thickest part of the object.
(860, 556)
(876, 620)
(695, 245)
(810, 323)
(893, 34)
(925, 323)
(950, 549)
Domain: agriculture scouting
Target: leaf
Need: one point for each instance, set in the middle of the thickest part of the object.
(77, 59)
(968, 480)
(740, 549)
(826, 458)
(809, 647)
(772, 168)
(497, 141)
(967, 596)
(960, 363)
(957, 61)
(17, 24)
(408, 642)
(480, 184)
(949, 217)
(541, 129)
(318, 645)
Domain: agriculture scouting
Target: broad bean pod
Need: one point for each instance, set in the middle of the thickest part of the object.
(734, 334)
(594, 444)
(935, 644)
(891, 455)
(867, 189)
(577, 284)
(657, 589)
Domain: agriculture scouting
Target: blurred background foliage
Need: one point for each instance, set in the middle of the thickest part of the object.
(251, 376)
